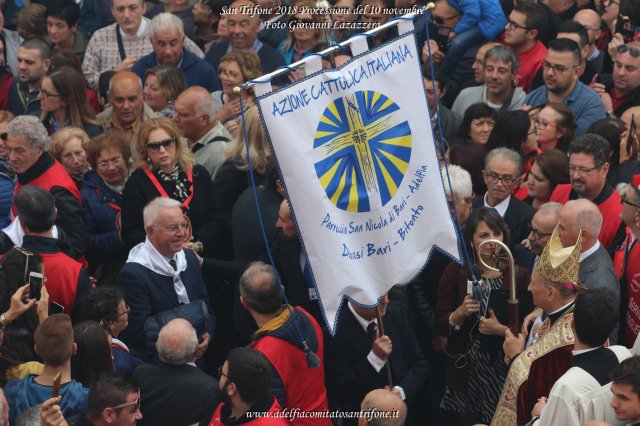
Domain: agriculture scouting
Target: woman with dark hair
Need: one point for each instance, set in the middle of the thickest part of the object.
(18, 320)
(555, 127)
(475, 370)
(109, 156)
(549, 169)
(478, 122)
(93, 354)
(106, 306)
(66, 58)
(64, 103)
(616, 132)
(6, 76)
(469, 156)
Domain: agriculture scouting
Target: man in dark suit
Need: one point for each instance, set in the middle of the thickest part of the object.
(526, 252)
(243, 34)
(596, 268)
(176, 392)
(502, 171)
(357, 356)
(159, 274)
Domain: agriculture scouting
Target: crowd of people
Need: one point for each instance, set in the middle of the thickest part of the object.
(135, 285)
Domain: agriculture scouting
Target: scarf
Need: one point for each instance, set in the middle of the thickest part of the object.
(179, 179)
(146, 255)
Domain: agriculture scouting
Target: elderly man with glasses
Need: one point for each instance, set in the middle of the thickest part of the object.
(588, 168)
(502, 174)
(162, 280)
(543, 223)
(620, 90)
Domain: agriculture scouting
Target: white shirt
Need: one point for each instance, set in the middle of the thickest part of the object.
(501, 207)
(589, 252)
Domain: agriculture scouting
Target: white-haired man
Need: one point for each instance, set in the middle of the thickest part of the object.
(167, 39)
(207, 137)
(118, 46)
(160, 276)
(176, 391)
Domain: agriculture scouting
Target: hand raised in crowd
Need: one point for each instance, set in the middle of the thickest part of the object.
(231, 109)
(614, 44)
(436, 54)
(20, 303)
(127, 64)
(490, 325)
(295, 76)
(469, 307)
(635, 147)
(43, 305)
(51, 414)
(382, 347)
(512, 345)
(537, 409)
(203, 345)
(530, 319)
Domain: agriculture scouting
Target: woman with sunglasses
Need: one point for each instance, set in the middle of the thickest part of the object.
(109, 156)
(64, 102)
(166, 168)
(106, 306)
(304, 37)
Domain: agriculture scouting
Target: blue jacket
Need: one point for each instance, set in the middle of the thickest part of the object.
(7, 184)
(25, 393)
(103, 243)
(486, 14)
(196, 71)
(18, 104)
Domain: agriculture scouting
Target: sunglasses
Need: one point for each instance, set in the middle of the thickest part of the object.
(440, 20)
(126, 404)
(632, 50)
(166, 144)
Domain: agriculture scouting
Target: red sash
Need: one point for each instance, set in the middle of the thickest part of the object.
(161, 190)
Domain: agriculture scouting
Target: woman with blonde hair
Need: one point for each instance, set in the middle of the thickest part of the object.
(68, 146)
(236, 67)
(166, 168)
(306, 33)
(162, 86)
(232, 177)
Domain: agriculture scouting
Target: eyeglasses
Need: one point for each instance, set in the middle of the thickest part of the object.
(581, 171)
(440, 20)
(127, 309)
(46, 94)
(543, 124)
(126, 404)
(557, 68)
(623, 200)
(297, 21)
(115, 161)
(174, 228)
(166, 144)
(632, 50)
(479, 62)
(516, 26)
(495, 178)
(537, 234)
(220, 373)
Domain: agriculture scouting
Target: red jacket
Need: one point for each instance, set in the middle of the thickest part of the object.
(269, 420)
(610, 209)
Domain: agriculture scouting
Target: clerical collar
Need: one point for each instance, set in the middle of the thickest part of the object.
(583, 351)
(363, 322)
(501, 207)
(589, 252)
(553, 316)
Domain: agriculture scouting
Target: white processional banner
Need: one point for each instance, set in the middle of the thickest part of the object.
(355, 149)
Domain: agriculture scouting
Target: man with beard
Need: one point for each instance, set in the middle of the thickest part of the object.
(498, 91)
(543, 223)
(34, 59)
(588, 168)
(561, 71)
(245, 385)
